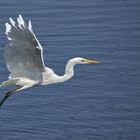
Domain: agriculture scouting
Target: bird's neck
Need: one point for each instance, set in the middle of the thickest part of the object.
(69, 72)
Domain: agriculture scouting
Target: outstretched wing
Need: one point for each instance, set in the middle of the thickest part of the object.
(24, 54)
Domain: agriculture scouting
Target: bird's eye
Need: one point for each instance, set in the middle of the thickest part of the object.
(82, 60)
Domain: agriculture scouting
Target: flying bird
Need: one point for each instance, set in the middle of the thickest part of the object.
(24, 59)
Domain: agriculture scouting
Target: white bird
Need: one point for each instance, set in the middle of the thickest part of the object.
(24, 60)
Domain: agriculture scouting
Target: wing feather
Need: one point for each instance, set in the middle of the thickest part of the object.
(24, 54)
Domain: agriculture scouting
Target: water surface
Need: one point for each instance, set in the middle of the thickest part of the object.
(101, 102)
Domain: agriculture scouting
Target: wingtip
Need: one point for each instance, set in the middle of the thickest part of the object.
(20, 21)
(30, 26)
(19, 15)
(8, 27)
(12, 22)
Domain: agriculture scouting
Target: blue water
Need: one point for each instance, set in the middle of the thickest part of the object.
(101, 102)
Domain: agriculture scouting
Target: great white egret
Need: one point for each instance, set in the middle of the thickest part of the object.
(24, 60)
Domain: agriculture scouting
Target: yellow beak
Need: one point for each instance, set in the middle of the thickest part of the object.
(92, 61)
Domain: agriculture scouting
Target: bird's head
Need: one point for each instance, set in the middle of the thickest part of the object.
(80, 60)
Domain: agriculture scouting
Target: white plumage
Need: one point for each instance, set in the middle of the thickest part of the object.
(24, 59)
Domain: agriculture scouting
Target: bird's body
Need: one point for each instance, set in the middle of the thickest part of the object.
(24, 59)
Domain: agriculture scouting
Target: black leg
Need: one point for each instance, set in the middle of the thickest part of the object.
(7, 95)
